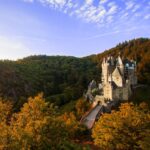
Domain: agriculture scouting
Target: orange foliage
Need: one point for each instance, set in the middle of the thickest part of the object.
(128, 128)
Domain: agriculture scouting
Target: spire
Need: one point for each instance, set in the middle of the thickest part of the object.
(116, 72)
(119, 61)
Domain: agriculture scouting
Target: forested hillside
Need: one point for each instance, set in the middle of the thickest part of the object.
(138, 50)
(63, 79)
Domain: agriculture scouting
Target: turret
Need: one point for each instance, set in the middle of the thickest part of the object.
(120, 65)
(105, 66)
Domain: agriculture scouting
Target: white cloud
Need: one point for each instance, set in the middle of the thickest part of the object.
(92, 13)
(54, 3)
(88, 2)
(100, 12)
(110, 4)
(69, 5)
(129, 5)
(58, 2)
(11, 49)
(112, 9)
(103, 1)
(136, 7)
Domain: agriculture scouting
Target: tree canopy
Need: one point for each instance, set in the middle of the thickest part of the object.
(128, 128)
(36, 126)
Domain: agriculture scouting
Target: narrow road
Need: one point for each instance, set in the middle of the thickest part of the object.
(89, 119)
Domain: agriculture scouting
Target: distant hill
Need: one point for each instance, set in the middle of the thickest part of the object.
(63, 79)
(60, 78)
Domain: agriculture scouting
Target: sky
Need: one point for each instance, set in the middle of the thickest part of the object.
(69, 27)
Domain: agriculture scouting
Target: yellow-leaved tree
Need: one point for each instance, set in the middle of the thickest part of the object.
(73, 126)
(5, 109)
(81, 106)
(128, 128)
(35, 127)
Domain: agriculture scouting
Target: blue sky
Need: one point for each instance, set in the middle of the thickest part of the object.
(69, 27)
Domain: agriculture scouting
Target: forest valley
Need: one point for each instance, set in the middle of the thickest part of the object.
(42, 103)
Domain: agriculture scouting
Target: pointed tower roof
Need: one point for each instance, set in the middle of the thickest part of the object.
(116, 72)
(119, 61)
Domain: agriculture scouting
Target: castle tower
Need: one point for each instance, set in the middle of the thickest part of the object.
(105, 66)
(108, 91)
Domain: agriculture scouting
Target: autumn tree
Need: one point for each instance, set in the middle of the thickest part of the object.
(81, 107)
(5, 109)
(128, 128)
(35, 126)
(74, 128)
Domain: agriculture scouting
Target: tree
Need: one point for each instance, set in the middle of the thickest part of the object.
(35, 126)
(128, 128)
(81, 107)
(5, 109)
(74, 128)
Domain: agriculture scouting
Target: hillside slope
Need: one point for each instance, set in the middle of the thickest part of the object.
(63, 79)
(138, 50)
(60, 78)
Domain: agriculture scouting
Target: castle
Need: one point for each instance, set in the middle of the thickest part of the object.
(118, 77)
